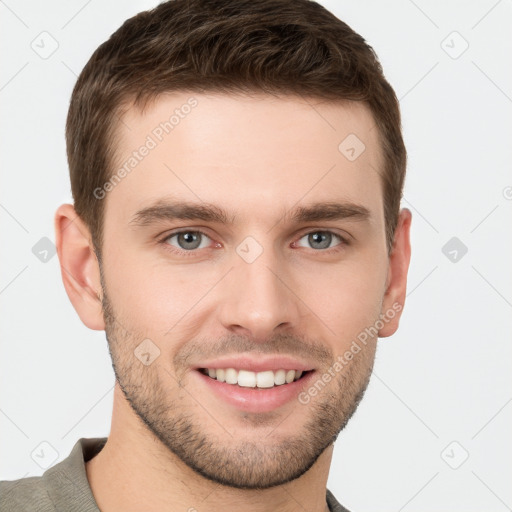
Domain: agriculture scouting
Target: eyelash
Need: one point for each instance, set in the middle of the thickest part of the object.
(193, 252)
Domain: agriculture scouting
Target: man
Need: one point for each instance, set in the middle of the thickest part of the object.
(237, 169)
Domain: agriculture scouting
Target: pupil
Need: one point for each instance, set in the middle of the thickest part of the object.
(190, 240)
(320, 237)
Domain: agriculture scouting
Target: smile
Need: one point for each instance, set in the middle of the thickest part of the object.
(248, 379)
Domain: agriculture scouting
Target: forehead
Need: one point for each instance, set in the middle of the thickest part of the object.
(254, 154)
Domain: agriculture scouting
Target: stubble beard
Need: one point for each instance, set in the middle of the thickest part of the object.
(261, 463)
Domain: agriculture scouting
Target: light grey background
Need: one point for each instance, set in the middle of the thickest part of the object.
(441, 389)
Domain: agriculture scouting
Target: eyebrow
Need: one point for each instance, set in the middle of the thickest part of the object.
(175, 210)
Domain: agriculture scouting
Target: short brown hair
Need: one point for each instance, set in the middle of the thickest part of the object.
(275, 46)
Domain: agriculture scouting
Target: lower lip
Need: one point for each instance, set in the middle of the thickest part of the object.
(256, 399)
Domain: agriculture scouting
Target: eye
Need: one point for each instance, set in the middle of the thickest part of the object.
(319, 240)
(187, 240)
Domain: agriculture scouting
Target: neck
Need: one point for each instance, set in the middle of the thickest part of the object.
(135, 471)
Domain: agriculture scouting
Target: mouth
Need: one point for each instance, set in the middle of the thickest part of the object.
(265, 379)
(254, 383)
(250, 391)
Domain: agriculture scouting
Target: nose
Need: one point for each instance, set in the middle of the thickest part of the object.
(258, 298)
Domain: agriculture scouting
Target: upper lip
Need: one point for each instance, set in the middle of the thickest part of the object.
(259, 364)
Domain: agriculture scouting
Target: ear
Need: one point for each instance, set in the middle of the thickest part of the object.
(79, 266)
(396, 282)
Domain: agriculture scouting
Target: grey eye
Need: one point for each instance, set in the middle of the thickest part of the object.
(188, 240)
(320, 239)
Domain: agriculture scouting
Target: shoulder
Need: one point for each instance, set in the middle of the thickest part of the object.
(61, 487)
(25, 494)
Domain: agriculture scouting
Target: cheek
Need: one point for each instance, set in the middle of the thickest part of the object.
(153, 297)
(348, 298)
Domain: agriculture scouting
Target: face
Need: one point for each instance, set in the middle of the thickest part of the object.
(244, 258)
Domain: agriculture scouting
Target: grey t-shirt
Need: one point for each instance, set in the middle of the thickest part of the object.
(65, 488)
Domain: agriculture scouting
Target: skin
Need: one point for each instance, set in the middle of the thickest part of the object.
(258, 158)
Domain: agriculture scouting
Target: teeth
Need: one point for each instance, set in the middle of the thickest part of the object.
(247, 379)
(279, 377)
(265, 379)
(231, 376)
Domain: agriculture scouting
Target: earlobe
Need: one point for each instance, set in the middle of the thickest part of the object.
(79, 266)
(396, 282)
